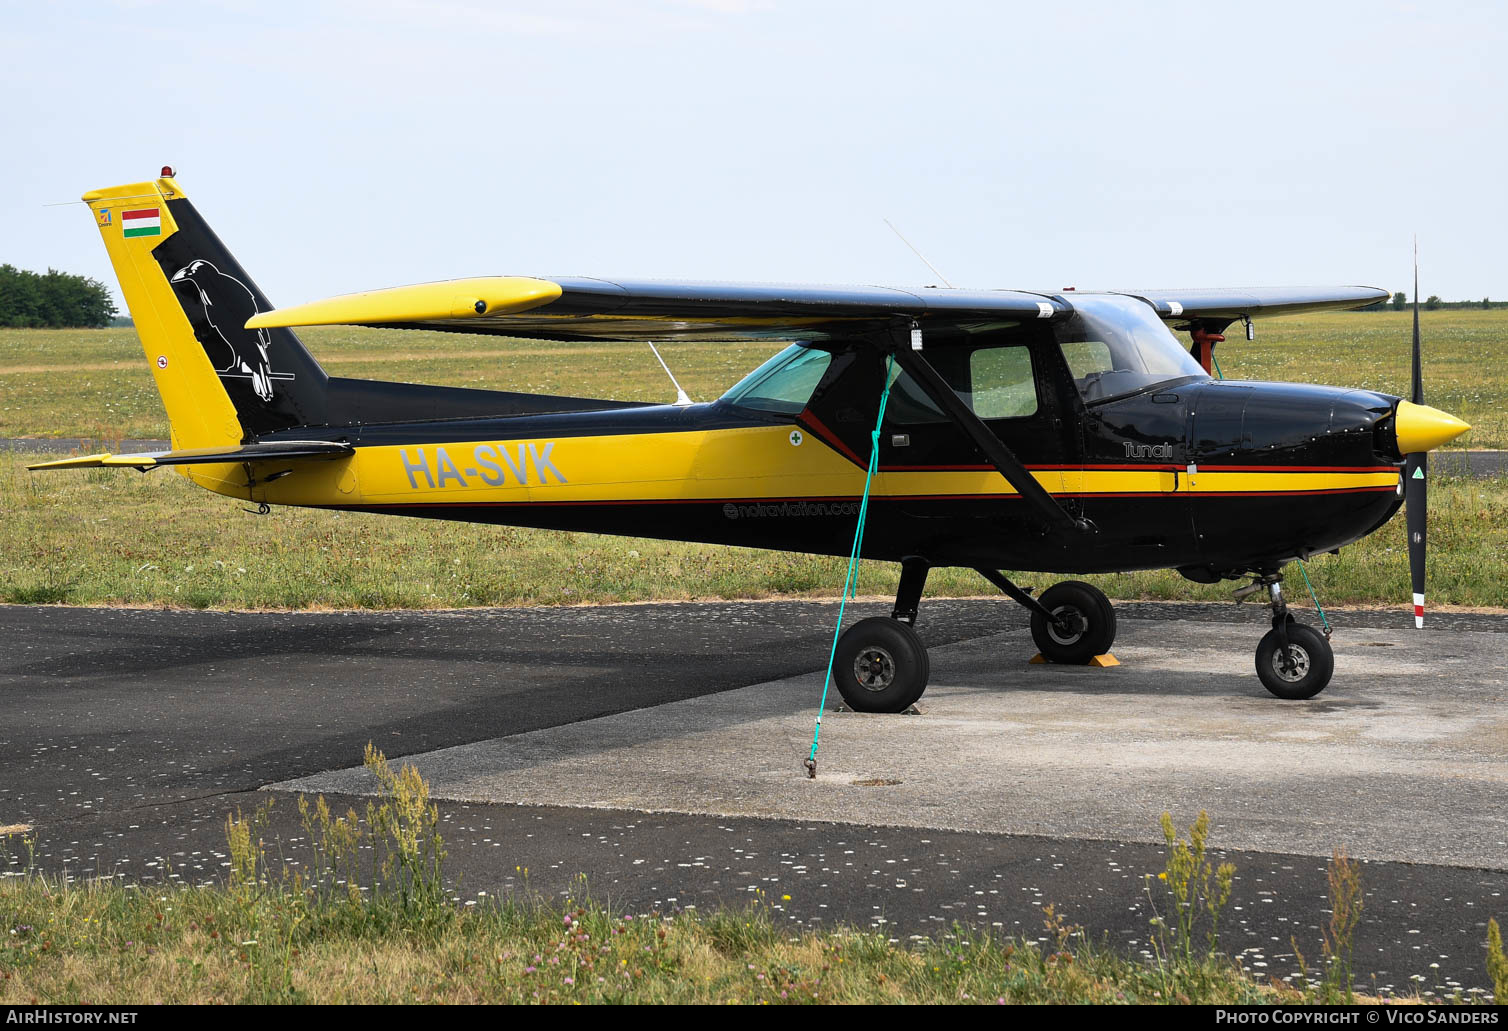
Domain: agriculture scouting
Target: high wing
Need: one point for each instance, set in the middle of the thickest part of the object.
(590, 309)
(573, 308)
(285, 450)
(1259, 302)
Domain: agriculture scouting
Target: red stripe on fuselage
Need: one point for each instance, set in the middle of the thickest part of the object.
(1129, 467)
(812, 423)
(854, 498)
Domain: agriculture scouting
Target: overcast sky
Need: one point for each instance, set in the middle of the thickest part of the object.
(339, 145)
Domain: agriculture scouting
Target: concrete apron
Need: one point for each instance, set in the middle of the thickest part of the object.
(1403, 757)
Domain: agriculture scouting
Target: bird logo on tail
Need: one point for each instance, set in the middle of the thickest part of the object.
(227, 304)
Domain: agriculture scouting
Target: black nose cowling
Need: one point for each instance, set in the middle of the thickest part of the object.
(1325, 462)
(1293, 425)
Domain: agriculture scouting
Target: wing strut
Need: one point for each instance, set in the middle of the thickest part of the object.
(908, 355)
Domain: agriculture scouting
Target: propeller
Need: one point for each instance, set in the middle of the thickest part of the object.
(1416, 476)
(1419, 428)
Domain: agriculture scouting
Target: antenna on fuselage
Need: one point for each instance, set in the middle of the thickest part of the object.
(681, 397)
(919, 254)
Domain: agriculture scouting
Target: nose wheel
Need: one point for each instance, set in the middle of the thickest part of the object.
(1294, 661)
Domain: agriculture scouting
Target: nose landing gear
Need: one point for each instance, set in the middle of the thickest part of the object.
(1294, 661)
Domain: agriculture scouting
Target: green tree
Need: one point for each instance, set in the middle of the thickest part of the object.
(1400, 301)
(55, 300)
(20, 298)
(1432, 302)
(1486, 304)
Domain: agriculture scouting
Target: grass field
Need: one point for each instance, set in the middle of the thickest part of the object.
(108, 537)
(95, 383)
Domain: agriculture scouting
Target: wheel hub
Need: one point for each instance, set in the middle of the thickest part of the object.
(1291, 663)
(1068, 625)
(874, 668)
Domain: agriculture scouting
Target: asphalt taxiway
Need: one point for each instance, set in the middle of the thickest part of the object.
(656, 751)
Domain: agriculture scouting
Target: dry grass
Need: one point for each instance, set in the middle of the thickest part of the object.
(513, 955)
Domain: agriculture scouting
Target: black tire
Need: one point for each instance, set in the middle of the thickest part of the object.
(881, 665)
(1304, 671)
(1091, 617)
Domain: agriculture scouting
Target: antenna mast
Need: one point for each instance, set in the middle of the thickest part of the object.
(681, 398)
(919, 254)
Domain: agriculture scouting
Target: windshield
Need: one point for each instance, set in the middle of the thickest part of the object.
(1118, 345)
(784, 384)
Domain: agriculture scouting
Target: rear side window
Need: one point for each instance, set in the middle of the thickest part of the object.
(996, 382)
(1002, 383)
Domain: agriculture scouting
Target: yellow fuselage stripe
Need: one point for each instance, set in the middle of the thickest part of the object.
(706, 465)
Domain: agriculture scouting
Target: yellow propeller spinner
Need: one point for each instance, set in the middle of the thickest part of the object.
(1422, 428)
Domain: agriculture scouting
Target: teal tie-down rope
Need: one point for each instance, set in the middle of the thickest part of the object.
(1317, 608)
(849, 585)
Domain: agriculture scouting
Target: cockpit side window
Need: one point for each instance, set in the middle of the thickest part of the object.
(1087, 356)
(784, 384)
(1117, 345)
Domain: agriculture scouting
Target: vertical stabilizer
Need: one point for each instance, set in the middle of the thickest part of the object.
(220, 382)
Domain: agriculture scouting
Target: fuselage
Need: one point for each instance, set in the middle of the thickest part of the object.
(1211, 477)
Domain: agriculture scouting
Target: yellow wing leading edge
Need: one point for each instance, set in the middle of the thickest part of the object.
(455, 299)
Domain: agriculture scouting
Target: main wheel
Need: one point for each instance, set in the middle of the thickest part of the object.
(1088, 623)
(880, 666)
(1302, 670)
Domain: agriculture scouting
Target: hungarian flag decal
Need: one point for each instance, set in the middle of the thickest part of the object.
(141, 222)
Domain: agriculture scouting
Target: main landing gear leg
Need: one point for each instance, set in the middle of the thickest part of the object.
(880, 664)
(1294, 661)
(908, 596)
(1071, 624)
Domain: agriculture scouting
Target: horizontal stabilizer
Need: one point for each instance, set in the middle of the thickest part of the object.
(279, 451)
(456, 299)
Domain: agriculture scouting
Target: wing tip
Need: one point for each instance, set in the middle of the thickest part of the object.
(453, 299)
